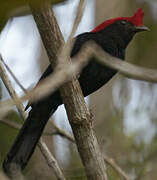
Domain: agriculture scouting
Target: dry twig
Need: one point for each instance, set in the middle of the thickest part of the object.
(13, 75)
(42, 146)
(10, 123)
(10, 89)
(77, 66)
(64, 134)
(69, 70)
(77, 111)
(63, 58)
(127, 69)
(51, 161)
(117, 168)
(60, 132)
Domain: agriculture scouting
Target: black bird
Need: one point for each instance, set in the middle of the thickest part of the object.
(113, 36)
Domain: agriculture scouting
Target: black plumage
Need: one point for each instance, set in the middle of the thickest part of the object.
(113, 39)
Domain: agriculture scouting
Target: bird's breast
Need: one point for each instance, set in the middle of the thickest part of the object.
(94, 76)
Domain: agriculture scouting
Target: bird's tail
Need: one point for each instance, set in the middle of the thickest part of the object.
(27, 139)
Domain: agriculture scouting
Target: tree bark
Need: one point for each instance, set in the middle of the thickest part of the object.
(78, 114)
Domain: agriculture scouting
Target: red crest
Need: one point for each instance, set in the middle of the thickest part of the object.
(136, 19)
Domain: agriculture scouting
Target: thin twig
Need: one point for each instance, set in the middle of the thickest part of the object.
(117, 168)
(10, 89)
(42, 146)
(18, 126)
(51, 161)
(63, 57)
(78, 114)
(53, 82)
(78, 18)
(12, 74)
(64, 134)
(127, 69)
(10, 123)
(70, 69)
(60, 132)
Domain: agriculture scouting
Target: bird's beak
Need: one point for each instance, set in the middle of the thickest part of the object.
(141, 28)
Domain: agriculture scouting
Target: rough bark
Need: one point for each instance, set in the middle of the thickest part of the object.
(78, 114)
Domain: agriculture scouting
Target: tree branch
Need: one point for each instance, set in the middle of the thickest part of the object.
(64, 73)
(13, 170)
(51, 161)
(10, 123)
(116, 167)
(10, 89)
(58, 132)
(64, 134)
(78, 114)
(13, 75)
(125, 68)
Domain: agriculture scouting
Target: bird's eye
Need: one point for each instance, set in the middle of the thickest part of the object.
(123, 22)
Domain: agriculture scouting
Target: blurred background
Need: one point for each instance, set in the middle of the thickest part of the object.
(125, 116)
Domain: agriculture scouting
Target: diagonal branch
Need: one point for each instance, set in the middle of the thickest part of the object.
(117, 168)
(60, 132)
(11, 90)
(78, 114)
(66, 72)
(127, 69)
(64, 134)
(13, 171)
(13, 75)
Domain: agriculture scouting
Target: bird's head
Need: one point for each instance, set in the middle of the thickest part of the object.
(123, 27)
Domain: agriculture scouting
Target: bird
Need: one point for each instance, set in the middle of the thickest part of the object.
(113, 36)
